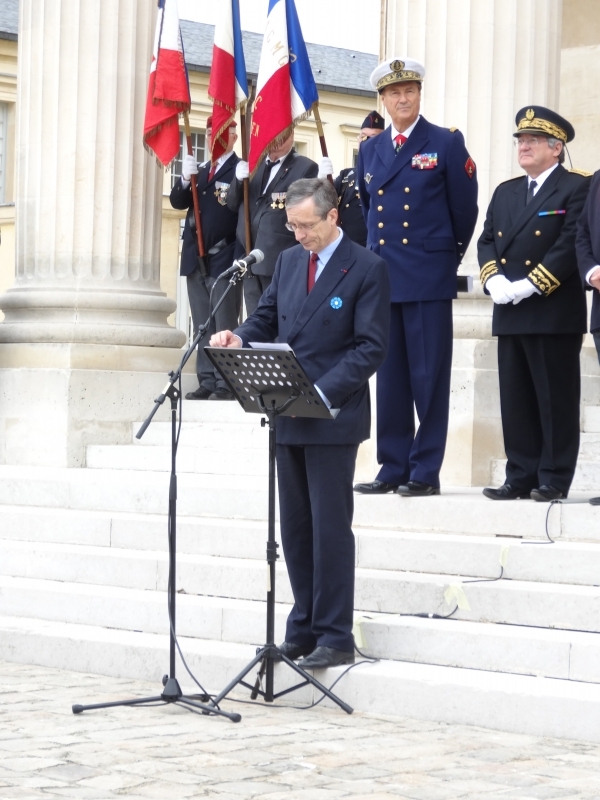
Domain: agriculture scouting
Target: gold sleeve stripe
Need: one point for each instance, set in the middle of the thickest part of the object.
(543, 280)
(487, 271)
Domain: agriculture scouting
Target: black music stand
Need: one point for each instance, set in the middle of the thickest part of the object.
(268, 380)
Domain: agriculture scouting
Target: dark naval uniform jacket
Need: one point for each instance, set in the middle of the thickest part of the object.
(537, 241)
(421, 208)
(267, 209)
(588, 244)
(350, 213)
(217, 220)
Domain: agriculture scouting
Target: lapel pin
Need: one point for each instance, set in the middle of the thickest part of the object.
(368, 177)
(336, 302)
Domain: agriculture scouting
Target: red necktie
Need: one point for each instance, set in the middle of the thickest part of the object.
(211, 174)
(312, 270)
(400, 139)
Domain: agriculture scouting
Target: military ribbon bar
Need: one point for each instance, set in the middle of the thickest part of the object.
(551, 213)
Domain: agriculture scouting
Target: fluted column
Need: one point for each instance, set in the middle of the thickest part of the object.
(88, 197)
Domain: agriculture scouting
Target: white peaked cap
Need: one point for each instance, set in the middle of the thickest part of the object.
(396, 70)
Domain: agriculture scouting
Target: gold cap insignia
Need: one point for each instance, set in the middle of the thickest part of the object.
(530, 113)
(397, 66)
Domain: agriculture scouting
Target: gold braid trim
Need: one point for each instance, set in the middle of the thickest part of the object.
(537, 124)
(487, 271)
(543, 280)
(403, 76)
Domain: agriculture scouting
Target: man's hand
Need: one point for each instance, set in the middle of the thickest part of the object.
(325, 168)
(225, 339)
(594, 279)
(242, 171)
(500, 289)
(522, 290)
(189, 167)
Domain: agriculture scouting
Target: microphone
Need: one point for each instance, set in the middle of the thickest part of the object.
(242, 265)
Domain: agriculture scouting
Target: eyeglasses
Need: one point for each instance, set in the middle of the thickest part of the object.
(531, 141)
(293, 228)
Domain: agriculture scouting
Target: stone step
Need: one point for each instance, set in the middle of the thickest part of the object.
(589, 446)
(591, 419)
(224, 435)
(214, 460)
(517, 703)
(213, 411)
(517, 602)
(586, 478)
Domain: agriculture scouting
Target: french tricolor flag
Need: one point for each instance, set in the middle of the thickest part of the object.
(228, 85)
(168, 87)
(286, 90)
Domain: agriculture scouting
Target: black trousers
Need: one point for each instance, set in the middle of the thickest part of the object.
(540, 390)
(254, 289)
(316, 507)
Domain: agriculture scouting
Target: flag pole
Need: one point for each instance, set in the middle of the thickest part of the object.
(321, 133)
(244, 127)
(201, 250)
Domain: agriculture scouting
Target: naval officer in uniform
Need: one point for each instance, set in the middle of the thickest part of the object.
(418, 187)
(529, 267)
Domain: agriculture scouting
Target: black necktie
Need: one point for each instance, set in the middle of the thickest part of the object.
(532, 186)
(267, 174)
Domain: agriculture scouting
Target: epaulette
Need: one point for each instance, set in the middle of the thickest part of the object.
(452, 130)
(582, 172)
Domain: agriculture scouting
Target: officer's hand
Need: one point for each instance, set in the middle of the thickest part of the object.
(242, 171)
(500, 289)
(522, 290)
(595, 278)
(325, 167)
(225, 339)
(189, 167)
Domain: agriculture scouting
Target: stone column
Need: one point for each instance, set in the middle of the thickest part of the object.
(88, 197)
(484, 61)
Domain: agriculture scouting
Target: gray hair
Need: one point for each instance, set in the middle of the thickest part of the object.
(552, 142)
(320, 190)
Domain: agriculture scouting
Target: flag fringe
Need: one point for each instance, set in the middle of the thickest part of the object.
(151, 152)
(280, 138)
(172, 104)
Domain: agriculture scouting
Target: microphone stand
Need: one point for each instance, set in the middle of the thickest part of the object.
(172, 691)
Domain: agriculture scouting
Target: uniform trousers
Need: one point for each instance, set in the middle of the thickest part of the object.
(415, 375)
(254, 288)
(226, 318)
(540, 389)
(316, 508)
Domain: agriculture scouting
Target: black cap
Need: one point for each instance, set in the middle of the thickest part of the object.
(374, 120)
(540, 120)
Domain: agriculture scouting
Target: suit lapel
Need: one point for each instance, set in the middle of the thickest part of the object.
(524, 216)
(283, 170)
(395, 161)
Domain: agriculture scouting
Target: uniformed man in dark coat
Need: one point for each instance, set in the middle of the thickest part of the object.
(268, 188)
(218, 229)
(418, 187)
(350, 214)
(529, 267)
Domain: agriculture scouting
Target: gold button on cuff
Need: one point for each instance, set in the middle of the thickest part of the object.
(499, 233)
(407, 190)
(406, 208)
(503, 261)
(528, 263)
(380, 191)
(381, 224)
(379, 208)
(406, 224)
(538, 233)
(404, 241)
(382, 241)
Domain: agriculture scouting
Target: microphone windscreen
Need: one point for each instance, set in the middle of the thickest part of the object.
(257, 256)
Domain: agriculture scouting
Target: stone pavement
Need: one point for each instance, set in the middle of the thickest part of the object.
(277, 753)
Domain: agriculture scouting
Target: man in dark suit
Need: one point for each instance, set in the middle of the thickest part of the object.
(418, 189)
(332, 307)
(268, 188)
(529, 267)
(218, 229)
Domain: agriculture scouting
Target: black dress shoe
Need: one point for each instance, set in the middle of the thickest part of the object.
(546, 494)
(294, 651)
(375, 487)
(595, 501)
(506, 492)
(324, 657)
(417, 489)
(199, 394)
(222, 394)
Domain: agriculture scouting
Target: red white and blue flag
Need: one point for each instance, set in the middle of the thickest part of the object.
(168, 86)
(228, 85)
(286, 90)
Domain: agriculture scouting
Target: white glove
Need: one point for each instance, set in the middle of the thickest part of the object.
(242, 170)
(325, 167)
(501, 289)
(189, 167)
(522, 290)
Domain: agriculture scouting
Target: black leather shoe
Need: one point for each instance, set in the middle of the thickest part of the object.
(546, 494)
(506, 492)
(417, 489)
(324, 657)
(295, 651)
(375, 487)
(199, 394)
(222, 394)
(595, 501)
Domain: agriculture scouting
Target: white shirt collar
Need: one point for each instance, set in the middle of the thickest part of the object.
(541, 178)
(406, 133)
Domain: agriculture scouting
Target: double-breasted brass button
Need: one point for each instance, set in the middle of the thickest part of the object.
(538, 233)
(499, 233)
(406, 224)
(379, 208)
(503, 261)
(528, 263)
(381, 224)
(382, 241)
(407, 190)
(380, 191)
(347, 205)
(404, 241)
(406, 208)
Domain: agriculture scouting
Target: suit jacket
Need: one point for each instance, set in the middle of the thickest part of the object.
(421, 208)
(587, 244)
(267, 209)
(350, 213)
(338, 347)
(523, 241)
(217, 220)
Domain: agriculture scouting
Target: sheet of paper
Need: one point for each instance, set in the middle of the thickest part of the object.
(271, 346)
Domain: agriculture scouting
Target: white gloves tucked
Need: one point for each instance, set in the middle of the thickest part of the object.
(522, 290)
(189, 167)
(500, 289)
(325, 167)
(242, 170)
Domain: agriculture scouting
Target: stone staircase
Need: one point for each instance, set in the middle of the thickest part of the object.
(83, 576)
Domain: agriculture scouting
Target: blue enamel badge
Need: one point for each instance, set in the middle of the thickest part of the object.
(336, 302)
